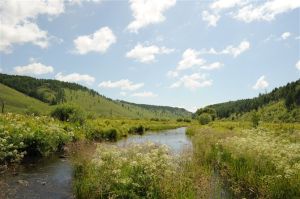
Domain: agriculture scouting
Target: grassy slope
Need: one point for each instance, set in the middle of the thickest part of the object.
(20, 103)
(100, 106)
(52, 92)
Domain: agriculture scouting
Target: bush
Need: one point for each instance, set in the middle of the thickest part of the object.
(68, 113)
(179, 120)
(187, 120)
(255, 119)
(137, 130)
(204, 118)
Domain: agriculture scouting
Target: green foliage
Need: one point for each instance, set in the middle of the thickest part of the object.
(204, 118)
(253, 162)
(255, 119)
(289, 93)
(137, 171)
(21, 135)
(68, 113)
(212, 112)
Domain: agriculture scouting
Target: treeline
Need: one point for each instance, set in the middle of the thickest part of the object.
(289, 93)
(46, 90)
(180, 112)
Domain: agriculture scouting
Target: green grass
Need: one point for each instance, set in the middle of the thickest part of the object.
(255, 163)
(96, 106)
(20, 103)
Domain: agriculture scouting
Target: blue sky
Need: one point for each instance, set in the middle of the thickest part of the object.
(178, 53)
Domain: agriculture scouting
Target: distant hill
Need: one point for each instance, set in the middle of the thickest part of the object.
(285, 99)
(161, 110)
(52, 92)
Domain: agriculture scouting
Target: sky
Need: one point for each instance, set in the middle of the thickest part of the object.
(164, 52)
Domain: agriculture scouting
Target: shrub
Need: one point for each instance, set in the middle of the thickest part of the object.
(204, 118)
(68, 113)
(137, 130)
(255, 119)
(179, 120)
(187, 120)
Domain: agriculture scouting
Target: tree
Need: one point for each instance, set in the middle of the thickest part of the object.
(2, 105)
(204, 118)
(255, 119)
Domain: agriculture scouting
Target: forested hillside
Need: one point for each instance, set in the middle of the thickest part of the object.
(53, 92)
(289, 95)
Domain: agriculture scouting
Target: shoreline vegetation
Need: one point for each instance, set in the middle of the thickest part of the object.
(247, 148)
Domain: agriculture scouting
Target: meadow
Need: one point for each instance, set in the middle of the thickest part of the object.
(260, 162)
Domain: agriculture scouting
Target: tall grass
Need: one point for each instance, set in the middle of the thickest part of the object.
(137, 171)
(256, 163)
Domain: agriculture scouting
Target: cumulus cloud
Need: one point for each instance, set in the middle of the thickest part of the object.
(247, 11)
(225, 4)
(193, 81)
(230, 49)
(33, 69)
(285, 35)
(146, 54)
(298, 65)
(190, 58)
(123, 84)
(211, 19)
(261, 83)
(144, 94)
(75, 77)
(212, 66)
(99, 41)
(148, 12)
(266, 11)
(18, 22)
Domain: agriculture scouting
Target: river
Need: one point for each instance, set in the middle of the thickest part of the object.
(51, 178)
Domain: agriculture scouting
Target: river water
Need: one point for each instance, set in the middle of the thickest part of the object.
(51, 178)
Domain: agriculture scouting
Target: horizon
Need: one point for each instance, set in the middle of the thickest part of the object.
(120, 100)
(218, 51)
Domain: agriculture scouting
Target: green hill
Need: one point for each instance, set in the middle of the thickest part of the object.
(281, 104)
(16, 101)
(52, 92)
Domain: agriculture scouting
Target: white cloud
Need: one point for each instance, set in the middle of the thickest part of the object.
(148, 12)
(298, 65)
(18, 22)
(83, 1)
(225, 4)
(261, 83)
(194, 81)
(236, 51)
(211, 19)
(0, 70)
(231, 50)
(33, 69)
(172, 73)
(212, 66)
(123, 84)
(285, 35)
(75, 77)
(190, 58)
(99, 41)
(266, 11)
(144, 94)
(297, 38)
(146, 54)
